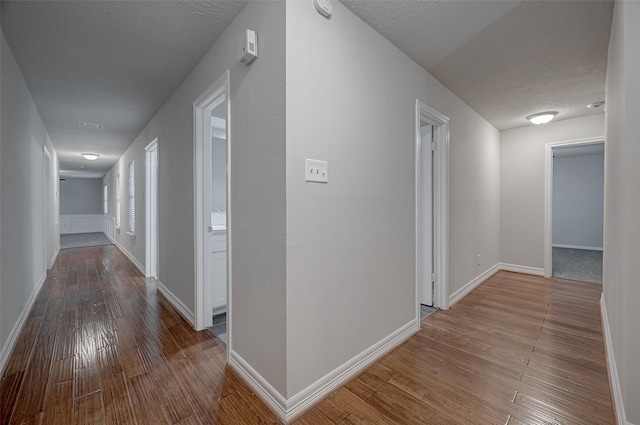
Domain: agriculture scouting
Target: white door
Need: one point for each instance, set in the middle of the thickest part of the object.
(426, 215)
(211, 111)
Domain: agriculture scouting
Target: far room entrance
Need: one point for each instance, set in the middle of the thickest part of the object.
(575, 210)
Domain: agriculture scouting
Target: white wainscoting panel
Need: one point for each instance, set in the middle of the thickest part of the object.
(81, 223)
(109, 227)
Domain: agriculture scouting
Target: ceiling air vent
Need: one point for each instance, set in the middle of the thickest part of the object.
(90, 125)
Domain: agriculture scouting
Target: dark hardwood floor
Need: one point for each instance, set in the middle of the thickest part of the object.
(102, 346)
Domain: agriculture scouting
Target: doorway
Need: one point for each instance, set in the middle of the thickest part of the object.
(151, 201)
(50, 246)
(574, 210)
(431, 185)
(213, 257)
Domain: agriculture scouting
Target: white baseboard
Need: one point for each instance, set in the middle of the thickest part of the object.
(177, 304)
(289, 410)
(470, 286)
(473, 284)
(53, 258)
(6, 351)
(536, 271)
(265, 391)
(129, 255)
(588, 248)
(611, 365)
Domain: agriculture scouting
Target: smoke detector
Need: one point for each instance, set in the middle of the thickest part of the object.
(596, 105)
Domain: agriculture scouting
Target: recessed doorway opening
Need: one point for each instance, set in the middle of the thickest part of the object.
(212, 210)
(431, 185)
(574, 210)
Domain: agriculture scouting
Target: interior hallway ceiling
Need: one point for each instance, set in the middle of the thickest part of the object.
(115, 63)
(506, 59)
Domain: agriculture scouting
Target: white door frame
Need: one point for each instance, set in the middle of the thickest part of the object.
(202, 131)
(548, 195)
(48, 213)
(151, 210)
(440, 203)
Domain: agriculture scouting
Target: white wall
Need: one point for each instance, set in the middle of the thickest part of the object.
(258, 187)
(22, 238)
(522, 174)
(351, 243)
(81, 196)
(621, 268)
(578, 201)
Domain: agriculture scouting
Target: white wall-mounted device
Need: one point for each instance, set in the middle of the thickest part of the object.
(248, 47)
(324, 7)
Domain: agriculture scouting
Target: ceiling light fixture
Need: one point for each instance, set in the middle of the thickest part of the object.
(542, 117)
(90, 156)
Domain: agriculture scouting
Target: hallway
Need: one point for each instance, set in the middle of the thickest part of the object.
(101, 346)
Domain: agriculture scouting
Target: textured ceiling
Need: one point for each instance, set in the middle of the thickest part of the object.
(506, 59)
(108, 62)
(116, 62)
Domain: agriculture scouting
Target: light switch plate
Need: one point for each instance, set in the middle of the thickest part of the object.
(316, 171)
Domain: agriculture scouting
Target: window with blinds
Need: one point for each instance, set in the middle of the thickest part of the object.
(118, 200)
(132, 197)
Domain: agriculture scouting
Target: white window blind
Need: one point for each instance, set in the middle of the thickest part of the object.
(105, 194)
(132, 197)
(118, 200)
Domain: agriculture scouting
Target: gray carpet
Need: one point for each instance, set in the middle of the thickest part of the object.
(425, 311)
(219, 327)
(577, 264)
(81, 240)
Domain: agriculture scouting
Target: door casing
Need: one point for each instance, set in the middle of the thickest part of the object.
(548, 195)
(202, 108)
(440, 202)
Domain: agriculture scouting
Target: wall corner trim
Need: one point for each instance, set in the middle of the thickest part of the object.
(614, 381)
(473, 284)
(290, 409)
(6, 351)
(177, 303)
(265, 391)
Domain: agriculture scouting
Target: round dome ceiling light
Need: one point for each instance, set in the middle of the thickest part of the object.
(90, 156)
(542, 117)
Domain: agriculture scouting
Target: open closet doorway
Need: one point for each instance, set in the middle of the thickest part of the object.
(212, 209)
(575, 210)
(432, 152)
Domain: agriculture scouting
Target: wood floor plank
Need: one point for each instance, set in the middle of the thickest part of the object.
(102, 346)
(89, 410)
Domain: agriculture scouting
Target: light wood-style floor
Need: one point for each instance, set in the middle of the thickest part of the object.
(101, 346)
